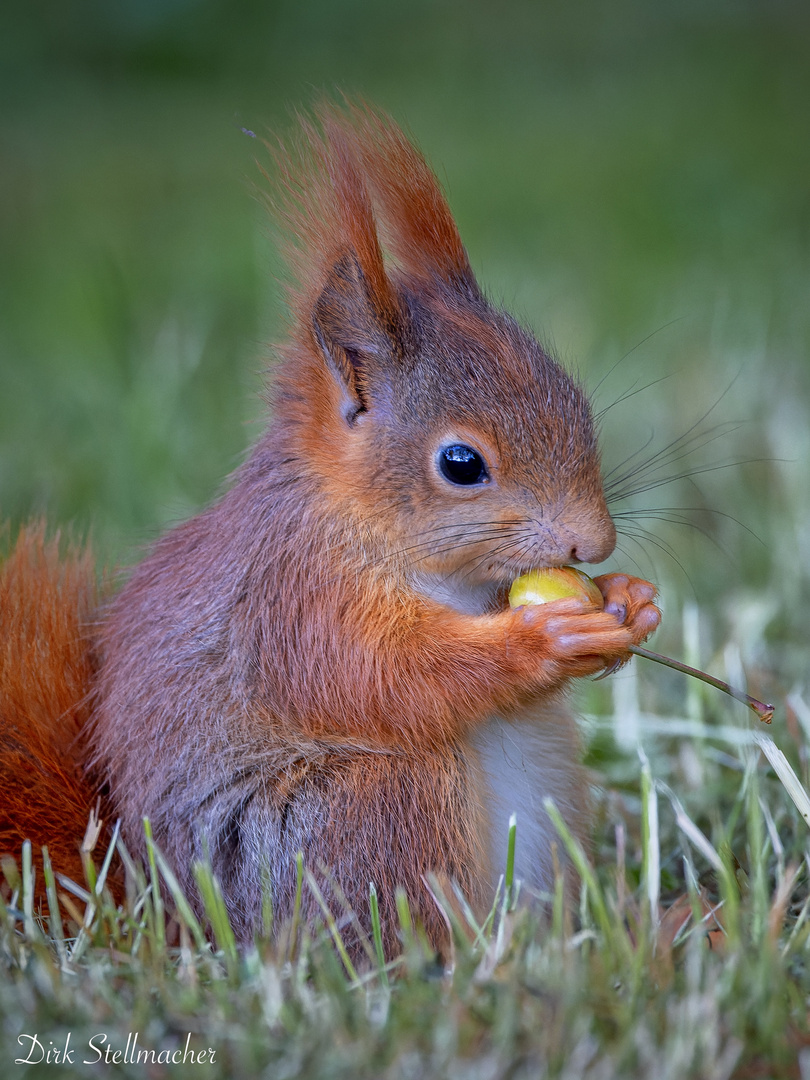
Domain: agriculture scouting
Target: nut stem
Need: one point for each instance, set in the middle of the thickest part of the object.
(763, 711)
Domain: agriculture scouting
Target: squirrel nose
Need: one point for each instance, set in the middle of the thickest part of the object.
(580, 539)
(595, 544)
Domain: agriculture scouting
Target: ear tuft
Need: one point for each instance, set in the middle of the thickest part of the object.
(418, 224)
(347, 179)
(329, 217)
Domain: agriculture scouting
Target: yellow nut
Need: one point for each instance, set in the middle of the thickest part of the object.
(554, 583)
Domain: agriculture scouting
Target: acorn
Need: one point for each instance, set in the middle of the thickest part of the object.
(563, 582)
(554, 583)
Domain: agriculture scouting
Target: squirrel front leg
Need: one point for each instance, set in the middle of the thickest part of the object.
(423, 675)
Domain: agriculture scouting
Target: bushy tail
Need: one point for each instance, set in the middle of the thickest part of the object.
(46, 607)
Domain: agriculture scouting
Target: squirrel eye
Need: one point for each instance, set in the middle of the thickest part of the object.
(461, 464)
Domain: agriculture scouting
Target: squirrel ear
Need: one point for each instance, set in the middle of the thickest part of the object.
(351, 334)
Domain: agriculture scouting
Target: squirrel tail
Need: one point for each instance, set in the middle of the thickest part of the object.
(46, 664)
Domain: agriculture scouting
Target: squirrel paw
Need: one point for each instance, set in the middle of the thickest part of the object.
(630, 601)
(583, 640)
(576, 638)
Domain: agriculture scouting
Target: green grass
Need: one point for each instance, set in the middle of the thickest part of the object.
(629, 984)
(631, 179)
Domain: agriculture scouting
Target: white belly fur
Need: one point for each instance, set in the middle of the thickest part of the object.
(524, 761)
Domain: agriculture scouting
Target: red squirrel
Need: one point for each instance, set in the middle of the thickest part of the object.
(324, 660)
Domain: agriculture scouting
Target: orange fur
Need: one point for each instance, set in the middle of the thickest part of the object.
(324, 660)
(46, 604)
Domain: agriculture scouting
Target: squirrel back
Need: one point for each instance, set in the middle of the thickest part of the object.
(47, 603)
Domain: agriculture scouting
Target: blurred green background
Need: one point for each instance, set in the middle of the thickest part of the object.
(630, 178)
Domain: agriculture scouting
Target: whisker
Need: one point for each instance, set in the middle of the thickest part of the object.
(625, 461)
(475, 562)
(662, 513)
(693, 439)
(687, 474)
(681, 447)
(648, 535)
(626, 554)
(650, 538)
(461, 538)
(631, 391)
(630, 352)
(447, 548)
(472, 525)
(653, 537)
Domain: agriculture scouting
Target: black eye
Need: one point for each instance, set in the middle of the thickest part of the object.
(461, 464)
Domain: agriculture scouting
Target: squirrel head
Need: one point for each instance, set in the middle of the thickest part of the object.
(427, 414)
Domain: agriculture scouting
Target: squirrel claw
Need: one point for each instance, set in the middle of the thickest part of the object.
(609, 670)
